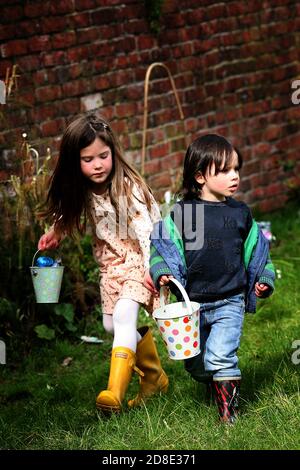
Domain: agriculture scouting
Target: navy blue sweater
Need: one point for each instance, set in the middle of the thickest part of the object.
(214, 260)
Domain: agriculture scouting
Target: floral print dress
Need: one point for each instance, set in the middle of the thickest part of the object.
(123, 254)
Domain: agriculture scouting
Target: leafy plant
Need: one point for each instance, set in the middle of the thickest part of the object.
(20, 229)
(153, 12)
(44, 332)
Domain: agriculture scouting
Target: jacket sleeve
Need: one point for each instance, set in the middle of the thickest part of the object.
(158, 266)
(268, 277)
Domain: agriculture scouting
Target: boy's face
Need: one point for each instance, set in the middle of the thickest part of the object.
(217, 187)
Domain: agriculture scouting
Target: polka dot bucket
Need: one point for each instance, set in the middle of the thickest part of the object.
(46, 282)
(178, 324)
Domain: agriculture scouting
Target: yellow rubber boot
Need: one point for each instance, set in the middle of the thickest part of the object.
(154, 380)
(121, 367)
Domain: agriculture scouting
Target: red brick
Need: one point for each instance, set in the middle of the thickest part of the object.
(7, 31)
(48, 93)
(52, 128)
(195, 16)
(272, 133)
(62, 40)
(104, 16)
(120, 126)
(162, 180)
(84, 4)
(26, 97)
(75, 88)
(54, 58)
(42, 77)
(257, 193)
(175, 20)
(14, 48)
(53, 24)
(257, 180)
(146, 42)
(134, 92)
(102, 49)
(136, 26)
(4, 65)
(11, 14)
(87, 35)
(169, 6)
(62, 7)
(29, 63)
(159, 151)
(175, 160)
(125, 110)
(36, 9)
(80, 20)
(269, 205)
(39, 43)
(76, 54)
(101, 83)
(70, 107)
(152, 167)
(178, 144)
(44, 112)
(125, 45)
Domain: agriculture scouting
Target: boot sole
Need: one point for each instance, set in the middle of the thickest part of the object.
(108, 409)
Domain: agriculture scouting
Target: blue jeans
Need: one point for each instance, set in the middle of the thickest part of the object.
(221, 325)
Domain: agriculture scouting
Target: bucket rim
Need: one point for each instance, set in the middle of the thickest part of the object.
(177, 315)
(46, 267)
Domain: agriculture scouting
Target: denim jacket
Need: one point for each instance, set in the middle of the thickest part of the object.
(167, 258)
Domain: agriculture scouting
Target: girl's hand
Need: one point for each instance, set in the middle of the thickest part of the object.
(260, 289)
(164, 280)
(49, 241)
(149, 283)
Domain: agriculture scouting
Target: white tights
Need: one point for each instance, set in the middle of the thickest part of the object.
(122, 323)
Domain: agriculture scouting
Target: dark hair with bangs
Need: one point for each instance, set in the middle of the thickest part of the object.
(67, 198)
(200, 156)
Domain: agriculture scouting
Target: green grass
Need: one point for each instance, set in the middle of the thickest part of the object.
(47, 406)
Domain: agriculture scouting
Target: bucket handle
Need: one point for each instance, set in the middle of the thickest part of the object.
(33, 259)
(184, 295)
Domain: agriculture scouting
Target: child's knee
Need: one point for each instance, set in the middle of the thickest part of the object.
(108, 324)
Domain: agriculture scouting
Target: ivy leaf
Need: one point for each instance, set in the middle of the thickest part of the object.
(44, 332)
(71, 327)
(66, 311)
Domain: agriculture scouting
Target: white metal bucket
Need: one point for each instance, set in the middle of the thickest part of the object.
(178, 324)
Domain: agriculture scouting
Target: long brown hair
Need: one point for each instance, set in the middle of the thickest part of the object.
(67, 198)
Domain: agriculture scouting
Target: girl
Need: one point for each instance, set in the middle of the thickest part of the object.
(220, 256)
(93, 180)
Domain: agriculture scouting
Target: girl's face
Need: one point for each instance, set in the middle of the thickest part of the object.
(96, 164)
(217, 187)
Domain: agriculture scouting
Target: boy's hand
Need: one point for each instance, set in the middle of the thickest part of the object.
(49, 241)
(260, 289)
(148, 283)
(164, 280)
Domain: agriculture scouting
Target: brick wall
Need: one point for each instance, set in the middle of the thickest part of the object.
(233, 64)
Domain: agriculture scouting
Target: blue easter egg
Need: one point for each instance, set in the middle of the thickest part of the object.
(44, 261)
